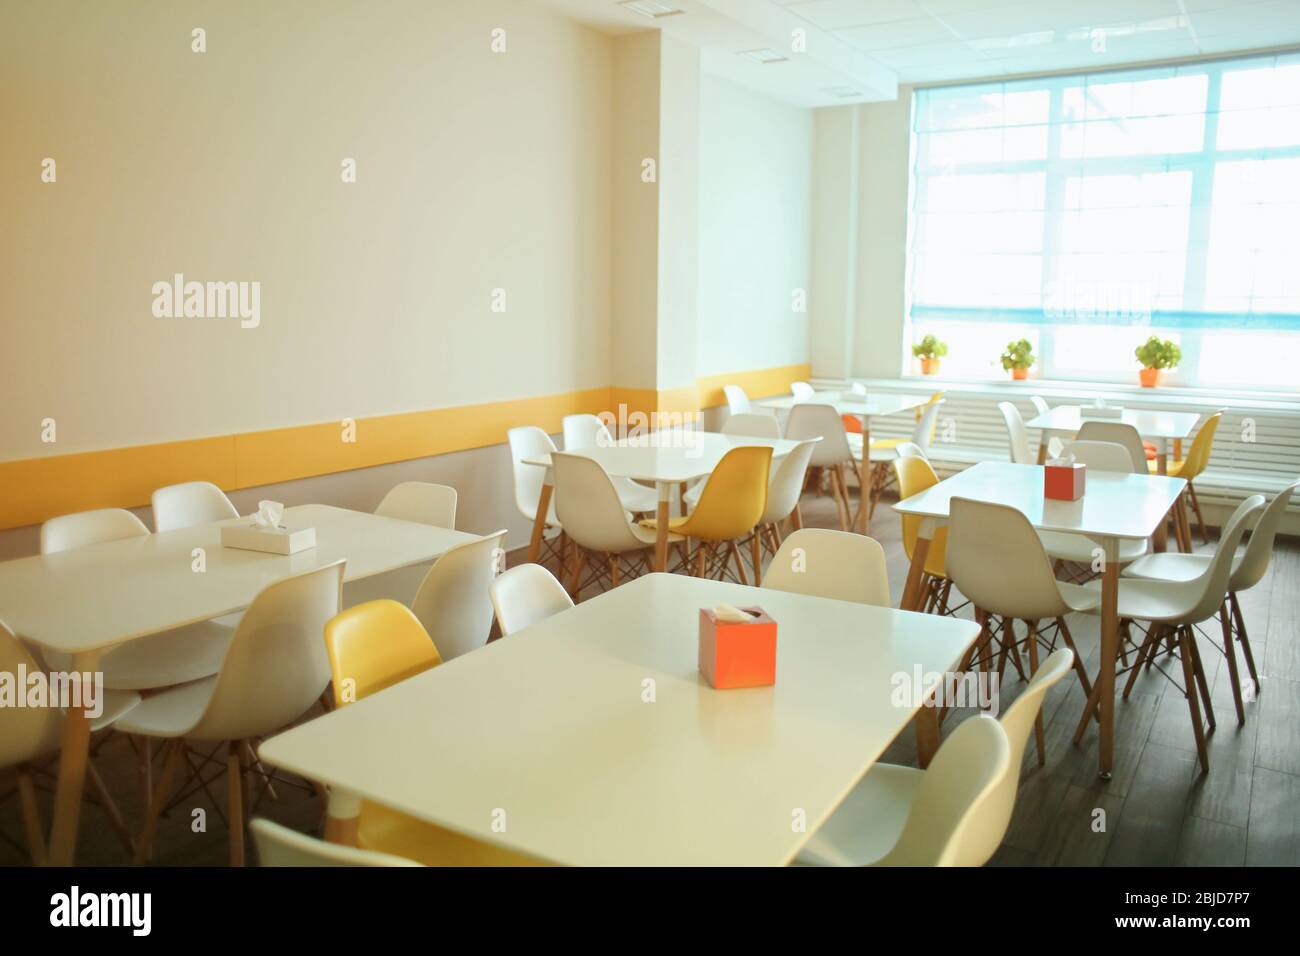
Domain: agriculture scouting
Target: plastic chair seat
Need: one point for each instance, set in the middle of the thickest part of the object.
(1080, 548)
(1173, 469)
(635, 498)
(174, 657)
(1169, 567)
(1145, 600)
(1079, 597)
(867, 824)
(647, 528)
(389, 831)
(171, 713)
(117, 704)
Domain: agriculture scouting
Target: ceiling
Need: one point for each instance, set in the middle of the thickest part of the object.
(859, 50)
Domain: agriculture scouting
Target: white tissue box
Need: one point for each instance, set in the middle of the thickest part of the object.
(1101, 411)
(252, 537)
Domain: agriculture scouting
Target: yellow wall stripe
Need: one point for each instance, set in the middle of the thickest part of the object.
(40, 488)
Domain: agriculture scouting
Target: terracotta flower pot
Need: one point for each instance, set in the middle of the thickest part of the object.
(1019, 374)
(1150, 377)
(929, 366)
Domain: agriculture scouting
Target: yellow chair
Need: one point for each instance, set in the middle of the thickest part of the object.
(731, 504)
(1198, 456)
(915, 475)
(373, 646)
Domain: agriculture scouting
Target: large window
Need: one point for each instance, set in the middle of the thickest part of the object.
(1086, 213)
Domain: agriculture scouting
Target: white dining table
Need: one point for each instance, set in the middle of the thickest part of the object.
(1154, 425)
(85, 601)
(668, 459)
(865, 408)
(1115, 507)
(591, 738)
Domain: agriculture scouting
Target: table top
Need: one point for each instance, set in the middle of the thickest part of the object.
(1150, 423)
(849, 403)
(672, 455)
(552, 726)
(1114, 504)
(97, 596)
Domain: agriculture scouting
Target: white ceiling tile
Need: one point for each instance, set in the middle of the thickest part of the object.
(838, 14)
(883, 36)
(1279, 17)
(928, 54)
(945, 72)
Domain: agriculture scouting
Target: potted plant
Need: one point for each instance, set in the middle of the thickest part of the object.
(1155, 354)
(1017, 358)
(929, 350)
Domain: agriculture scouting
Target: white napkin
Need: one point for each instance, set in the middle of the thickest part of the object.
(859, 388)
(732, 615)
(1065, 462)
(268, 515)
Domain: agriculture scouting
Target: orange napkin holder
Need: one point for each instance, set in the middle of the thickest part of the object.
(738, 654)
(1064, 482)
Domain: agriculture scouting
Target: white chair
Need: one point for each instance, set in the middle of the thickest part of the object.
(275, 670)
(1019, 438)
(832, 452)
(1172, 609)
(189, 504)
(588, 431)
(171, 657)
(784, 488)
(1248, 569)
(525, 595)
(802, 391)
(1119, 433)
(600, 530)
(910, 449)
(879, 811)
(831, 564)
(752, 426)
(945, 815)
(452, 602)
(280, 846)
(529, 441)
(1053, 439)
(994, 557)
(421, 502)
(1078, 548)
(29, 735)
(737, 400)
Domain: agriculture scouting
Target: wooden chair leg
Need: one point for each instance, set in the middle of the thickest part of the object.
(1239, 630)
(796, 518)
(110, 809)
(740, 563)
(144, 846)
(1230, 652)
(1079, 668)
(31, 817)
(235, 800)
(1201, 683)
(699, 559)
(613, 571)
(756, 554)
(575, 582)
(1150, 644)
(1033, 669)
(1200, 518)
(841, 501)
(1193, 704)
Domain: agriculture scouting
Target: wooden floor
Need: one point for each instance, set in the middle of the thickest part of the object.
(1157, 810)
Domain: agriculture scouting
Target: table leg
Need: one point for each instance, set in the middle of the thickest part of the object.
(539, 523)
(864, 479)
(72, 772)
(1160, 540)
(343, 817)
(927, 733)
(1043, 442)
(916, 570)
(661, 526)
(1109, 652)
(681, 498)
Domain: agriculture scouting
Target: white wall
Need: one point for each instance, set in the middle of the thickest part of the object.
(476, 170)
(863, 156)
(754, 229)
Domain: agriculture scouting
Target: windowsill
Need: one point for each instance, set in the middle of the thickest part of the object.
(1165, 395)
